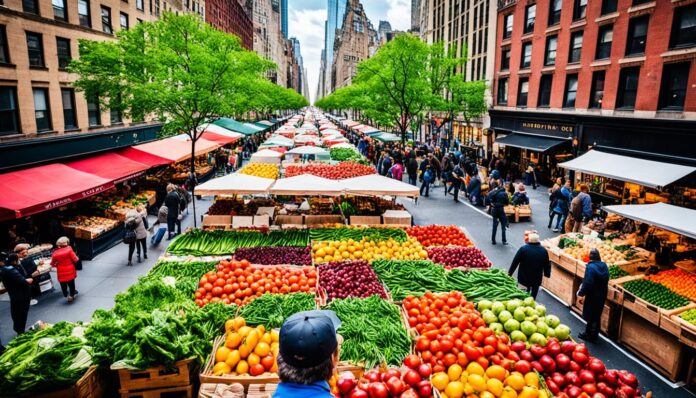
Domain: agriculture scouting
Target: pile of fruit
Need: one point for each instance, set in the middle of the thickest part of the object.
(349, 279)
(459, 257)
(238, 282)
(367, 249)
(616, 272)
(474, 380)
(678, 281)
(439, 235)
(338, 171)
(247, 350)
(523, 320)
(689, 316)
(413, 381)
(655, 294)
(265, 170)
(275, 255)
(582, 251)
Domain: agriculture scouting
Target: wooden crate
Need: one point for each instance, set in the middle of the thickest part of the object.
(207, 375)
(561, 283)
(609, 321)
(669, 319)
(90, 385)
(615, 291)
(365, 220)
(216, 220)
(687, 332)
(661, 350)
(168, 392)
(261, 390)
(282, 219)
(397, 217)
(642, 308)
(568, 263)
(156, 377)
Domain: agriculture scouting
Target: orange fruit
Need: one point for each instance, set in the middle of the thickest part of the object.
(242, 367)
(222, 353)
(496, 372)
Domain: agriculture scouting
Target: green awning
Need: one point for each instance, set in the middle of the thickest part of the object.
(386, 137)
(263, 127)
(234, 125)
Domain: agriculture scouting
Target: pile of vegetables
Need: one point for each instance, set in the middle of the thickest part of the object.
(271, 310)
(148, 296)
(347, 155)
(349, 279)
(522, 320)
(216, 242)
(238, 282)
(368, 250)
(372, 331)
(616, 272)
(439, 235)
(44, 360)
(265, 170)
(459, 257)
(493, 284)
(184, 274)
(678, 281)
(413, 381)
(247, 350)
(358, 233)
(655, 294)
(410, 277)
(338, 171)
(275, 255)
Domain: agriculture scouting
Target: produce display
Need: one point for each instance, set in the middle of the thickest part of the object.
(678, 281)
(412, 381)
(271, 310)
(238, 282)
(368, 250)
(580, 249)
(367, 206)
(338, 171)
(113, 202)
(459, 257)
(89, 226)
(357, 233)
(238, 207)
(616, 272)
(522, 320)
(689, 316)
(183, 274)
(349, 279)
(372, 331)
(410, 277)
(655, 294)
(275, 255)
(493, 284)
(265, 170)
(247, 350)
(199, 242)
(438, 235)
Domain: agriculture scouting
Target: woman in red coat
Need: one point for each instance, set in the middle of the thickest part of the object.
(63, 260)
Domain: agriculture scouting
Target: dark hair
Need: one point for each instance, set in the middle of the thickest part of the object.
(291, 374)
(12, 259)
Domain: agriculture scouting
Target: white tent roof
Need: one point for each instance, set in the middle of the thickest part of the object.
(375, 184)
(308, 150)
(307, 138)
(214, 128)
(330, 132)
(344, 145)
(677, 219)
(267, 153)
(253, 126)
(644, 172)
(235, 184)
(266, 156)
(306, 184)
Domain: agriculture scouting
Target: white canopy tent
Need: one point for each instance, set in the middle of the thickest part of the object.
(279, 141)
(235, 184)
(306, 184)
(640, 171)
(307, 138)
(677, 219)
(266, 156)
(308, 150)
(377, 185)
(214, 128)
(344, 145)
(330, 132)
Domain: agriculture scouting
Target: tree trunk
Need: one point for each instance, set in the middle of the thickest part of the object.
(193, 171)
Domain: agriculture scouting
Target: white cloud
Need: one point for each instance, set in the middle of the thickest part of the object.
(308, 27)
(399, 14)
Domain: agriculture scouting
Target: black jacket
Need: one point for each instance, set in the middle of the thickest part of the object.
(412, 167)
(15, 282)
(594, 288)
(533, 261)
(498, 198)
(172, 202)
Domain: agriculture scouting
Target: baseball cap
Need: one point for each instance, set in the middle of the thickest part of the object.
(308, 338)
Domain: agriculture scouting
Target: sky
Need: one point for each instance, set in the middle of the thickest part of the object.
(306, 22)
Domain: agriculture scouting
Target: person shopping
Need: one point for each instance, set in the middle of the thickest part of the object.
(161, 224)
(30, 269)
(18, 287)
(172, 201)
(63, 260)
(592, 293)
(428, 178)
(498, 199)
(136, 222)
(533, 261)
(561, 206)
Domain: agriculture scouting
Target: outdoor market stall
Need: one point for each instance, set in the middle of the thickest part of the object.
(266, 156)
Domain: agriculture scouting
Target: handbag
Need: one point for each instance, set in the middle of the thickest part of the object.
(78, 264)
(129, 236)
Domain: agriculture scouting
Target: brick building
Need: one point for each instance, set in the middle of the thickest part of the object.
(355, 41)
(613, 74)
(231, 16)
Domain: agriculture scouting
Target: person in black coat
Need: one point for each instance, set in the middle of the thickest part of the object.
(172, 201)
(533, 261)
(18, 287)
(592, 294)
(498, 199)
(412, 168)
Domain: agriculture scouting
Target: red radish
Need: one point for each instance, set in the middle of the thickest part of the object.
(395, 386)
(412, 378)
(580, 357)
(425, 389)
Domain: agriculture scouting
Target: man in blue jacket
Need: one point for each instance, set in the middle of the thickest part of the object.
(592, 294)
(498, 199)
(533, 261)
(18, 287)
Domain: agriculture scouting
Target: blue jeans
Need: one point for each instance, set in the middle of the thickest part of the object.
(499, 217)
(425, 186)
(412, 180)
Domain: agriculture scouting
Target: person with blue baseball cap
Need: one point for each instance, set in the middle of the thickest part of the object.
(308, 354)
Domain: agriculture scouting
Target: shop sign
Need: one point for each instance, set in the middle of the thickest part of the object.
(545, 127)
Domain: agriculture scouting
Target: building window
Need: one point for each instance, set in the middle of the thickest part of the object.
(523, 92)
(628, 88)
(604, 39)
(115, 115)
(9, 113)
(69, 118)
(4, 48)
(637, 35)
(35, 48)
(529, 17)
(579, 9)
(609, 6)
(550, 55)
(157, 8)
(59, 12)
(31, 6)
(124, 21)
(507, 28)
(545, 90)
(505, 59)
(93, 111)
(555, 12)
(63, 50)
(684, 27)
(83, 12)
(571, 90)
(106, 20)
(597, 89)
(675, 79)
(638, 2)
(526, 59)
(575, 47)
(502, 91)
(42, 109)
(140, 5)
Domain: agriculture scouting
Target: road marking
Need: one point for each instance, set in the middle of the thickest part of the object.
(466, 202)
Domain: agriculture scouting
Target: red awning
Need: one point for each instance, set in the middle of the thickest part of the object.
(38, 189)
(111, 166)
(217, 138)
(176, 150)
(143, 157)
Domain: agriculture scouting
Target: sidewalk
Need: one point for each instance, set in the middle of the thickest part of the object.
(98, 283)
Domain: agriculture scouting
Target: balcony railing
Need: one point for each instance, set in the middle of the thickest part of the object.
(505, 3)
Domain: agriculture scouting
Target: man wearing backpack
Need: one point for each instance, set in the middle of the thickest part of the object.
(458, 181)
(498, 199)
(428, 178)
